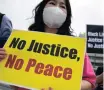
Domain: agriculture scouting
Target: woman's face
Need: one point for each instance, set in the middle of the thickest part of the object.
(57, 3)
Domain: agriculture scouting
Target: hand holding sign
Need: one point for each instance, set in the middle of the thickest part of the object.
(3, 54)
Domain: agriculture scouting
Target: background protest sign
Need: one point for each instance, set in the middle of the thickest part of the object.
(42, 60)
(95, 40)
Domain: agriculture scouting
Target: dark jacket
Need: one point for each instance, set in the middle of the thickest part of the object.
(3, 41)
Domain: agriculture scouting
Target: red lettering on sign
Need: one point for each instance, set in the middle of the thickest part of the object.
(19, 63)
(67, 73)
(11, 60)
(56, 71)
(39, 68)
(48, 70)
(30, 64)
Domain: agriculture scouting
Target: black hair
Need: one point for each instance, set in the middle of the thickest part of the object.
(39, 25)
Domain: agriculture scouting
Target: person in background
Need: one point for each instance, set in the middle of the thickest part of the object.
(99, 78)
(54, 16)
(5, 29)
(5, 26)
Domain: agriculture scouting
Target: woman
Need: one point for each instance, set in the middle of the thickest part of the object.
(54, 16)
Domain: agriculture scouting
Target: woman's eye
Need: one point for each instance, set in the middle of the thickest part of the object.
(63, 7)
(52, 3)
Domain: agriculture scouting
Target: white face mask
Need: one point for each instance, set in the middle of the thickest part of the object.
(54, 17)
